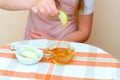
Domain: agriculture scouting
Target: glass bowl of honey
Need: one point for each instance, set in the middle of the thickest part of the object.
(60, 52)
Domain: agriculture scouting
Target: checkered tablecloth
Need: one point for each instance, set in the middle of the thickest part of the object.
(89, 63)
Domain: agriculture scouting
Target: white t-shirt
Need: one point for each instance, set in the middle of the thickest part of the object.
(89, 7)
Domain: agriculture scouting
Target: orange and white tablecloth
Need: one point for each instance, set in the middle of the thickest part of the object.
(89, 63)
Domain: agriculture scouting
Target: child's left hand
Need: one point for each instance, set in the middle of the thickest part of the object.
(39, 35)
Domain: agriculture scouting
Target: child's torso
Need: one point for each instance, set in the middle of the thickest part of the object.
(53, 26)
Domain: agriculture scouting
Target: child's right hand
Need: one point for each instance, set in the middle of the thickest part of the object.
(45, 7)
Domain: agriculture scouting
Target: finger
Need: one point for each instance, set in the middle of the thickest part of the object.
(35, 10)
(28, 36)
(44, 11)
(41, 10)
(34, 31)
(48, 10)
(34, 36)
(53, 8)
(53, 12)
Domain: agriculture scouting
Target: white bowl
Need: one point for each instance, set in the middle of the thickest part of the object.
(26, 60)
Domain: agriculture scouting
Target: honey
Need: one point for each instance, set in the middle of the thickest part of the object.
(61, 55)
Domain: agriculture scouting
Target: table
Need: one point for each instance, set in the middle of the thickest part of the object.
(90, 63)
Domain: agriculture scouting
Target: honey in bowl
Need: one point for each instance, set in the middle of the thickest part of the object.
(59, 52)
(61, 55)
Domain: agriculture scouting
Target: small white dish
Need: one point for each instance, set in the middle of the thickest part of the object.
(27, 54)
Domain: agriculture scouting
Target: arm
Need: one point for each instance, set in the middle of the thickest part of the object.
(45, 7)
(81, 35)
(17, 4)
(84, 29)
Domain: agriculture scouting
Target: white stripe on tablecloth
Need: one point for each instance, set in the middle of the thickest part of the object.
(14, 78)
(116, 73)
(83, 71)
(82, 47)
(35, 43)
(6, 51)
(95, 59)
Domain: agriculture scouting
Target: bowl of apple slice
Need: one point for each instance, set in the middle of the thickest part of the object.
(27, 54)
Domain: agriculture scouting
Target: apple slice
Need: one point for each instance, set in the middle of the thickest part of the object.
(29, 53)
(63, 17)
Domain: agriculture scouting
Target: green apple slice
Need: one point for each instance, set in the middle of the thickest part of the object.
(29, 53)
(63, 17)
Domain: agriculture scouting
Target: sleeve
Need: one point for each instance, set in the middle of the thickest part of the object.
(89, 7)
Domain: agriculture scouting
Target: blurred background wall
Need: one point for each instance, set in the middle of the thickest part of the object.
(105, 32)
(106, 27)
(12, 25)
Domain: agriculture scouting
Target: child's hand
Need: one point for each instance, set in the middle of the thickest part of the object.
(38, 35)
(46, 7)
